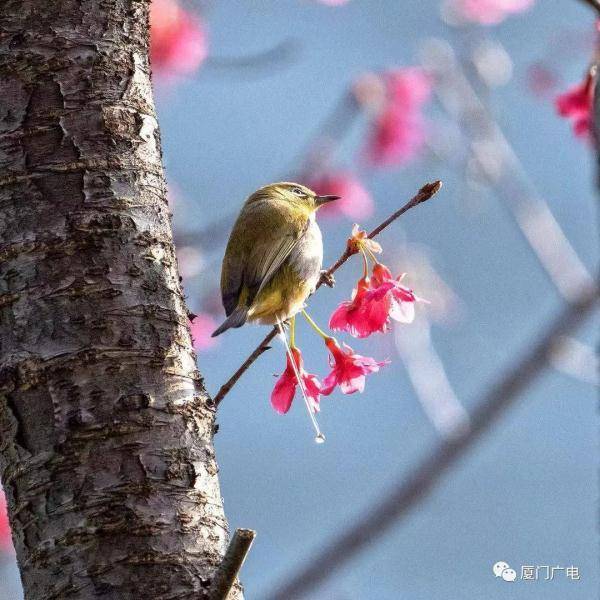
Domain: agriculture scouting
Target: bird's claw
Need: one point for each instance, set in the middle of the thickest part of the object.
(327, 278)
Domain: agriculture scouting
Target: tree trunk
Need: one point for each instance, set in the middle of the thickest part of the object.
(106, 430)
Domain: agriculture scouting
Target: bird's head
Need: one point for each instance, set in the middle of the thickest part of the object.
(294, 193)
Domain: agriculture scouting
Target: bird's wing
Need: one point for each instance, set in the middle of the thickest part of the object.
(261, 240)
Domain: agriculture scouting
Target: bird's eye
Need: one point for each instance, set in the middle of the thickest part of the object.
(297, 191)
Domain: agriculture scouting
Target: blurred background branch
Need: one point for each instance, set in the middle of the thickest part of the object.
(496, 161)
(595, 4)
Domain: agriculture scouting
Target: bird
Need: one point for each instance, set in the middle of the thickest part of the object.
(274, 256)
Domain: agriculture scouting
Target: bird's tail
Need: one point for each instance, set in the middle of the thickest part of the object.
(236, 319)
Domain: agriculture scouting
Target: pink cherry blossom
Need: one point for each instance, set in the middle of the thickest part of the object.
(576, 104)
(333, 2)
(202, 326)
(348, 369)
(360, 239)
(6, 544)
(399, 130)
(490, 12)
(178, 43)
(366, 313)
(355, 200)
(285, 388)
(403, 299)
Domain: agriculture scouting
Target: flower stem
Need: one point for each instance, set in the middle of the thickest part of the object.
(365, 262)
(293, 332)
(373, 257)
(314, 325)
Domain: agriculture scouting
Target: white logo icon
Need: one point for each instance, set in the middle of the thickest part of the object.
(502, 569)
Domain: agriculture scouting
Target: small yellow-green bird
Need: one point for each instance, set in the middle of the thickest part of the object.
(274, 255)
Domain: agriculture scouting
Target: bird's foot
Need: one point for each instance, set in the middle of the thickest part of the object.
(327, 278)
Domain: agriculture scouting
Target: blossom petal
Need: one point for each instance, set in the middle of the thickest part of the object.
(349, 369)
(366, 313)
(283, 394)
(403, 312)
(329, 383)
(285, 388)
(313, 390)
(350, 386)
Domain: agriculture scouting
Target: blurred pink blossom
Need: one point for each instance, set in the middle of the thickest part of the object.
(355, 200)
(576, 104)
(202, 326)
(541, 79)
(409, 87)
(399, 130)
(178, 43)
(490, 12)
(6, 544)
(333, 2)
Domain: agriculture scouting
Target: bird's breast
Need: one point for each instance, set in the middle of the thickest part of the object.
(297, 278)
(307, 257)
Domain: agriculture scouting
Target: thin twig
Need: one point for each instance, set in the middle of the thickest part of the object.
(262, 347)
(428, 190)
(231, 564)
(412, 490)
(595, 4)
(425, 193)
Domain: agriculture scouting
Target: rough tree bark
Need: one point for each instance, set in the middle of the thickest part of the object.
(106, 448)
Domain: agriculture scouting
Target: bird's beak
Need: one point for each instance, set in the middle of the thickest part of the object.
(320, 200)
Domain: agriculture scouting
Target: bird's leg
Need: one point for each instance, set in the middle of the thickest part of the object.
(327, 278)
(287, 324)
(319, 438)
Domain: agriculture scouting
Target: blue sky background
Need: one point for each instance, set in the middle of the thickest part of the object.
(527, 492)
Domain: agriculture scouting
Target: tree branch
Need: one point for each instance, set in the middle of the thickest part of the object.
(410, 491)
(595, 4)
(231, 564)
(424, 194)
